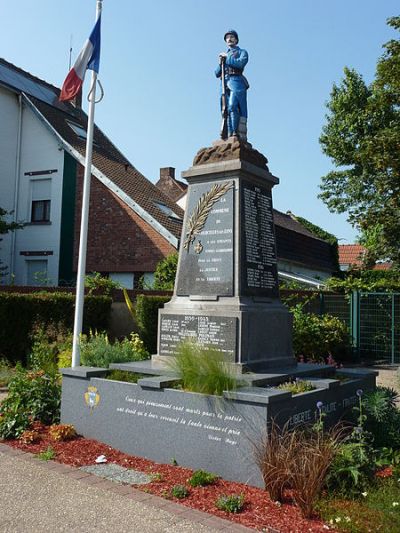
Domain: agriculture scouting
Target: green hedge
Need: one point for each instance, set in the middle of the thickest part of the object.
(146, 311)
(18, 313)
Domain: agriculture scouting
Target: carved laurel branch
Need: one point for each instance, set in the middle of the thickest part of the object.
(200, 213)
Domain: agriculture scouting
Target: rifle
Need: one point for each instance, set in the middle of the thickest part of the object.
(224, 107)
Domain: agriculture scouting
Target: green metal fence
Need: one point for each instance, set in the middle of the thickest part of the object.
(373, 319)
(376, 331)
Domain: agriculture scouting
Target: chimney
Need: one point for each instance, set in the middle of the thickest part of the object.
(167, 173)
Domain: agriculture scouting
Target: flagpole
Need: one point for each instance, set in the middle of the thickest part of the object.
(80, 282)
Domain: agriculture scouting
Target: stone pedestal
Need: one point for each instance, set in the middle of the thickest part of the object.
(226, 291)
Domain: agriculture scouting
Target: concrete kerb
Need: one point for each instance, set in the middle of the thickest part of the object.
(181, 512)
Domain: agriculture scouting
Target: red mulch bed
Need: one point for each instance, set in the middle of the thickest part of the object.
(259, 511)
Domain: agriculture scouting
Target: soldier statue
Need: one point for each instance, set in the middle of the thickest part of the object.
(233, 88)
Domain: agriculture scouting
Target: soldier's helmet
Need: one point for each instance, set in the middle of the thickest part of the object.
(232, 32)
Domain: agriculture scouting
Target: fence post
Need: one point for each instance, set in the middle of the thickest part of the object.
(355, 321)
(321, 303)
(393, 330)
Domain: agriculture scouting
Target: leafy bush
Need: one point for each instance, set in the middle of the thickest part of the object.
(180, 492)
(30, 436)
(6, 373)
(366, 280)
(352, 468)
(97, 350)
(202, 369)
(19, 313)
(62, 432)
(230, 504)
(296, 387)
(32, 395)
(315, 337)
(64, 358)
(97, 282)
(48, 342)
(165, 273)
(146, 311)
(201, 478)
(382, 417)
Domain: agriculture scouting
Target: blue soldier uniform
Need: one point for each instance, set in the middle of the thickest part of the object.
(236, 90)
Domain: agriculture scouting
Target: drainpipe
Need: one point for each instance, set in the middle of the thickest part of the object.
(17, 179)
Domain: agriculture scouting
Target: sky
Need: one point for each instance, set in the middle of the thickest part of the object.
(161, 95)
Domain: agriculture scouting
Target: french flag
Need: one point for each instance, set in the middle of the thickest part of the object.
(89, 58)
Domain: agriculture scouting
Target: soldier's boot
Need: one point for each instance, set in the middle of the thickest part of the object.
(242, 129)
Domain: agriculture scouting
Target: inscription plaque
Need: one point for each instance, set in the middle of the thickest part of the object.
(206, 261)
(259, 272)
(219, 332)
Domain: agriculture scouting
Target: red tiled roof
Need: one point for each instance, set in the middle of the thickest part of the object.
(109, 160)
(106, 157)
(351, 254)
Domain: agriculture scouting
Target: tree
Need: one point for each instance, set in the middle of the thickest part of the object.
(362, 137)
(5, 227)
(164, 275)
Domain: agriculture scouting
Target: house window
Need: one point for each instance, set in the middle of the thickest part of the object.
(79, 130)
(36, 272)
(40, 211)
(167, 211)
(40, 206)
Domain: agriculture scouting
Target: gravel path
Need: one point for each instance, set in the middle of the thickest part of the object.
(388, 377)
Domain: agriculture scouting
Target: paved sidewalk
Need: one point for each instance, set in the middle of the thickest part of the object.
(36, 496)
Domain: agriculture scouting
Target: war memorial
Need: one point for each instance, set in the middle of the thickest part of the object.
(226, 296)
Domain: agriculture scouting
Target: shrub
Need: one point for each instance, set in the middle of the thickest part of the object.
(32, 395)
(352, 468)
(62, 432)
(382, 417)
(165, 273)
(6, 373)
(316, 337)
(180, 492)
(202, 369)
(64, 358)
(30, 436)
(296, 387)
(201, 478)
(97, 282)
(366, 280)
(146, 311)
(48, 341)
(97, 350)
(230, 504)
(19, 312)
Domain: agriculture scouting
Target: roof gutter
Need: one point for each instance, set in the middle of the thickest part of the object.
(105, 180)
